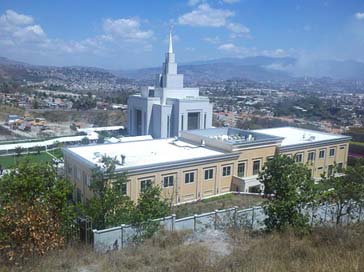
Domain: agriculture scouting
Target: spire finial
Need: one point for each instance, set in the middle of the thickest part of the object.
(170, 46)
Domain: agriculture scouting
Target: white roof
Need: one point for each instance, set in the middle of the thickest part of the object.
(296, 136)
(95, 129)
(136, 138)
(90, 136)
(144, 153)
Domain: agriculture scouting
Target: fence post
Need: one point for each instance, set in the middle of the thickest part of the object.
(194, 222)
(325, 212)
(348, 219)
(122, 235)
(173, 221)
(235, 216)
(253, 215)
(215, 221)
(96, 234)
(359, 217)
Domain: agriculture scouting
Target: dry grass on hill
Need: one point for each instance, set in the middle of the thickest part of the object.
(324, 250)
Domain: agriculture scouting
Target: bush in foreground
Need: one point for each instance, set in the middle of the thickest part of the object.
(35, 215)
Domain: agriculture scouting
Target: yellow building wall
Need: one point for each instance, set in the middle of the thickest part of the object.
(201, 188)
(321, 165)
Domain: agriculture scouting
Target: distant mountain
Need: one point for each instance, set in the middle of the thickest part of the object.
(6, 61)
(259, 68)
(252, 68)
(336, 69)
(75, 78)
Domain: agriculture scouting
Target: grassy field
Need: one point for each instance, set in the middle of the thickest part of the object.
(325, 249)
(217, 203)
(10, 161)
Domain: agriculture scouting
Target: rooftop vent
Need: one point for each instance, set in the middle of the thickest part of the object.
(250, 137)
(123, 157)
(203, 142)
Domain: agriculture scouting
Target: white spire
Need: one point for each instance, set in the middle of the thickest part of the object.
(170, 46)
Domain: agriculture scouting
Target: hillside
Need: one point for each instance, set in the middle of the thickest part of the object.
(325, 249)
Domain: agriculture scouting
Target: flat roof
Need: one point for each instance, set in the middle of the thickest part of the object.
(233, 136)
(139, 154)
(298, 136)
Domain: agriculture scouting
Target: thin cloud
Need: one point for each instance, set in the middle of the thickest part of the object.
(359, 15)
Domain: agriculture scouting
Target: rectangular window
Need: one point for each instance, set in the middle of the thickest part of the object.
(138, 114)
(226, 171)
(342, 147)
(330, 170)
(340, 167)
(182, 122)
(209, 174)
(88, 180)
(145, 184)
(299, 157)
(193, 121)
(256, 167)
(204, 121)
(69, 169)
(123, 188)
(241, 169)
(322, 154)
(311, 156)
(168, 126)
(189, 177)
(168, 181)
(84, 177)
(332, 152)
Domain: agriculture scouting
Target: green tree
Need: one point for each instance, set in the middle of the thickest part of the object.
(291, 187)
(85, 141)
(149, 207)
(18, 150)
(109, 206)
(344, 191)
(35, 212)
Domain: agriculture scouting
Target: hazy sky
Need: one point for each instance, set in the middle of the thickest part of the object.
(130, 34)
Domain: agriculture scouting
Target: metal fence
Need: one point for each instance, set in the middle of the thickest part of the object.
(252, 218)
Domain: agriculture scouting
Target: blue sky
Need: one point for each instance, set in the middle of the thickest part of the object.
(131, 34)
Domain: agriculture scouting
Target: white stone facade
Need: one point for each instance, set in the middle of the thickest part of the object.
(168, 108)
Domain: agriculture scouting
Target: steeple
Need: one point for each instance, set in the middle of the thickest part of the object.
(169, 78)
(170, 45)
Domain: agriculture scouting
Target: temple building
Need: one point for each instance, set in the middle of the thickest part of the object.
(168, 108)
(174, 146)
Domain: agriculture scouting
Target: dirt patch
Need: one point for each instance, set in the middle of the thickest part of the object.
(215, 240)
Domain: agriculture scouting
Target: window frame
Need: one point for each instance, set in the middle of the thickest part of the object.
(313, 157)
(324, 152)
(189, 175)
(259, 168)
(332, 149)
(142, 188)
(226, 170)
(209, 171)
(245, 167)
(124, 188)
(168, 177)
(300, 154)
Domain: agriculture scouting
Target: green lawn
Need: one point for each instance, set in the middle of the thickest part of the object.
(217, 203)
(10, 161)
